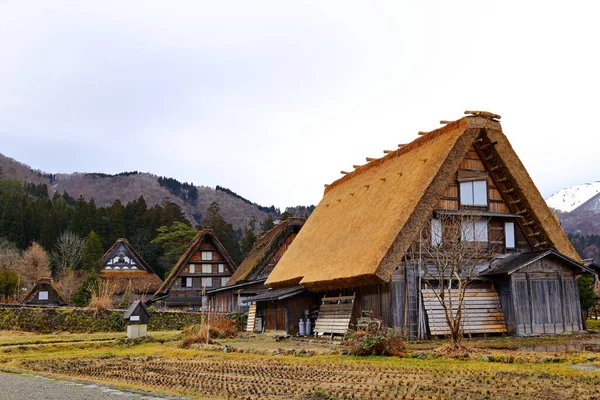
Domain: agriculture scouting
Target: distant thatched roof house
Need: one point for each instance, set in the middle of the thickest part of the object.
(355, 242)
(366, 221)
(45, 293)
(249, 278)
(123, 267)
(267, 250)
(205, 265)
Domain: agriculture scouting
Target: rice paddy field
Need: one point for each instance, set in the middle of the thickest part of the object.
(259, 367)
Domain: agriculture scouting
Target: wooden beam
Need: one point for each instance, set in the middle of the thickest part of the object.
(490, 144)
(444, 122)
(388, 151)
(421, 133)
(369, 159)
(483, 114)
(503, 179)
(344, 172)
(356, 166)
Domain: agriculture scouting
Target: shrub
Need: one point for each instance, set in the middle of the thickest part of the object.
(375, 339)
(213, 326)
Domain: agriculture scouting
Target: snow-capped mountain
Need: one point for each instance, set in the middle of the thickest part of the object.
(570, 198)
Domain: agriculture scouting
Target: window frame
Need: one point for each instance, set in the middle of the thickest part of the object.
(470, 233)
(189, 282)
(207, 255)
(207, 268)
(45, 292)
(436, 232)
(467, 189)
(207, 279)
(192, 268)
(514, 235)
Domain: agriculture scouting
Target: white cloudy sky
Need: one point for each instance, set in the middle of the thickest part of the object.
(273, 98)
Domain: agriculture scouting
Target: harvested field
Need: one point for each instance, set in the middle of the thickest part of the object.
(226, 376)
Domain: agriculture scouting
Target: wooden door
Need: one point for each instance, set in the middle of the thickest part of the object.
(280, 320)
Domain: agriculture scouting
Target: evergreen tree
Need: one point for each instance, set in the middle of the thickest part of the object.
(174, 239)
(223, 231)
(249, 237)
(117, 223)
(9, 285)
(267, 224)
(92, 252)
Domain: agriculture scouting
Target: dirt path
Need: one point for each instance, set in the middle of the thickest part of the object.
(26, 387)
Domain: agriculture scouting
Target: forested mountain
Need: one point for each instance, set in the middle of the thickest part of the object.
(129, 186)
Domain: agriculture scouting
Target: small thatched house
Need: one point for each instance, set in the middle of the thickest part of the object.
(44, 293)
(205, 265)
(363, 239)
(248, 280)
(129, 275)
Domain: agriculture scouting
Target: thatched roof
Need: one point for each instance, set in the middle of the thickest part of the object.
(49, 285)
(360, 230)
(264, 249)
(140, 281)
(200, 237)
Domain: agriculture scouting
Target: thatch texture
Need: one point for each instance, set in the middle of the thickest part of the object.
(264, 249)
(139, 282)
(194, 245)
(366, 220)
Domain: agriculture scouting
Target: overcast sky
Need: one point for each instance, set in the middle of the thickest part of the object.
(273, 98)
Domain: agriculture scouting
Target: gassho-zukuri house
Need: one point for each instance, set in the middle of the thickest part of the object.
(130, 276)
(205, 265)
(359, 243)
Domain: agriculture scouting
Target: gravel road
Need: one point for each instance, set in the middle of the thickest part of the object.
(27, 387)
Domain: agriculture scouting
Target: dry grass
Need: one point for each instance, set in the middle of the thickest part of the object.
(102, 296)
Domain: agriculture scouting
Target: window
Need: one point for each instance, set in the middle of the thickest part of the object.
(473, 193)
(436, 232)
(221, 268)
(474, 231)
(206, 269)
(43, 295)
(509, 235)
(188, 282)
(206, 282)
(192, 269)
(207, 256)
(224, 281)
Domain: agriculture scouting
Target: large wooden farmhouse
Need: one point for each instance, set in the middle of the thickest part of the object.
(364, 243)
(130, 276)
(248, 280)
(204, 266)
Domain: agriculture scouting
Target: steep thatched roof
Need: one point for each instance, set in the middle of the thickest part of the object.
(140, 281)
(53, 292)
(360, 230)
(264, 249)
(192, 248)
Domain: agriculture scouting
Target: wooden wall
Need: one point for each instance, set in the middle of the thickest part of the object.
(282, 316)
(545, 299)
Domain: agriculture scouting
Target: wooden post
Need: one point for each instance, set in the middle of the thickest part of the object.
(529, 297)
(562, 299)
(513, 295)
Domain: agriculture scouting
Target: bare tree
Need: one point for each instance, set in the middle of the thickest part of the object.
(70, 281)
(68, 252)
(34, 264)
(449, 254)
(9, 255)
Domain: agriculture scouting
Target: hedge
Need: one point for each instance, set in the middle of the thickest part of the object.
(70, 319)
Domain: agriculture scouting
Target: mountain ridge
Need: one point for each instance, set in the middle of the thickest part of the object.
(129, 186)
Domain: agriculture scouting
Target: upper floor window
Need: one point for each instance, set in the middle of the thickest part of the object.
(192, 269)
(207, 256)
(206, 269)
(509, 235)
(436, 232)
(43, 295)
(221, 268)
(474, 231)
(186, 282)
(473, 193)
